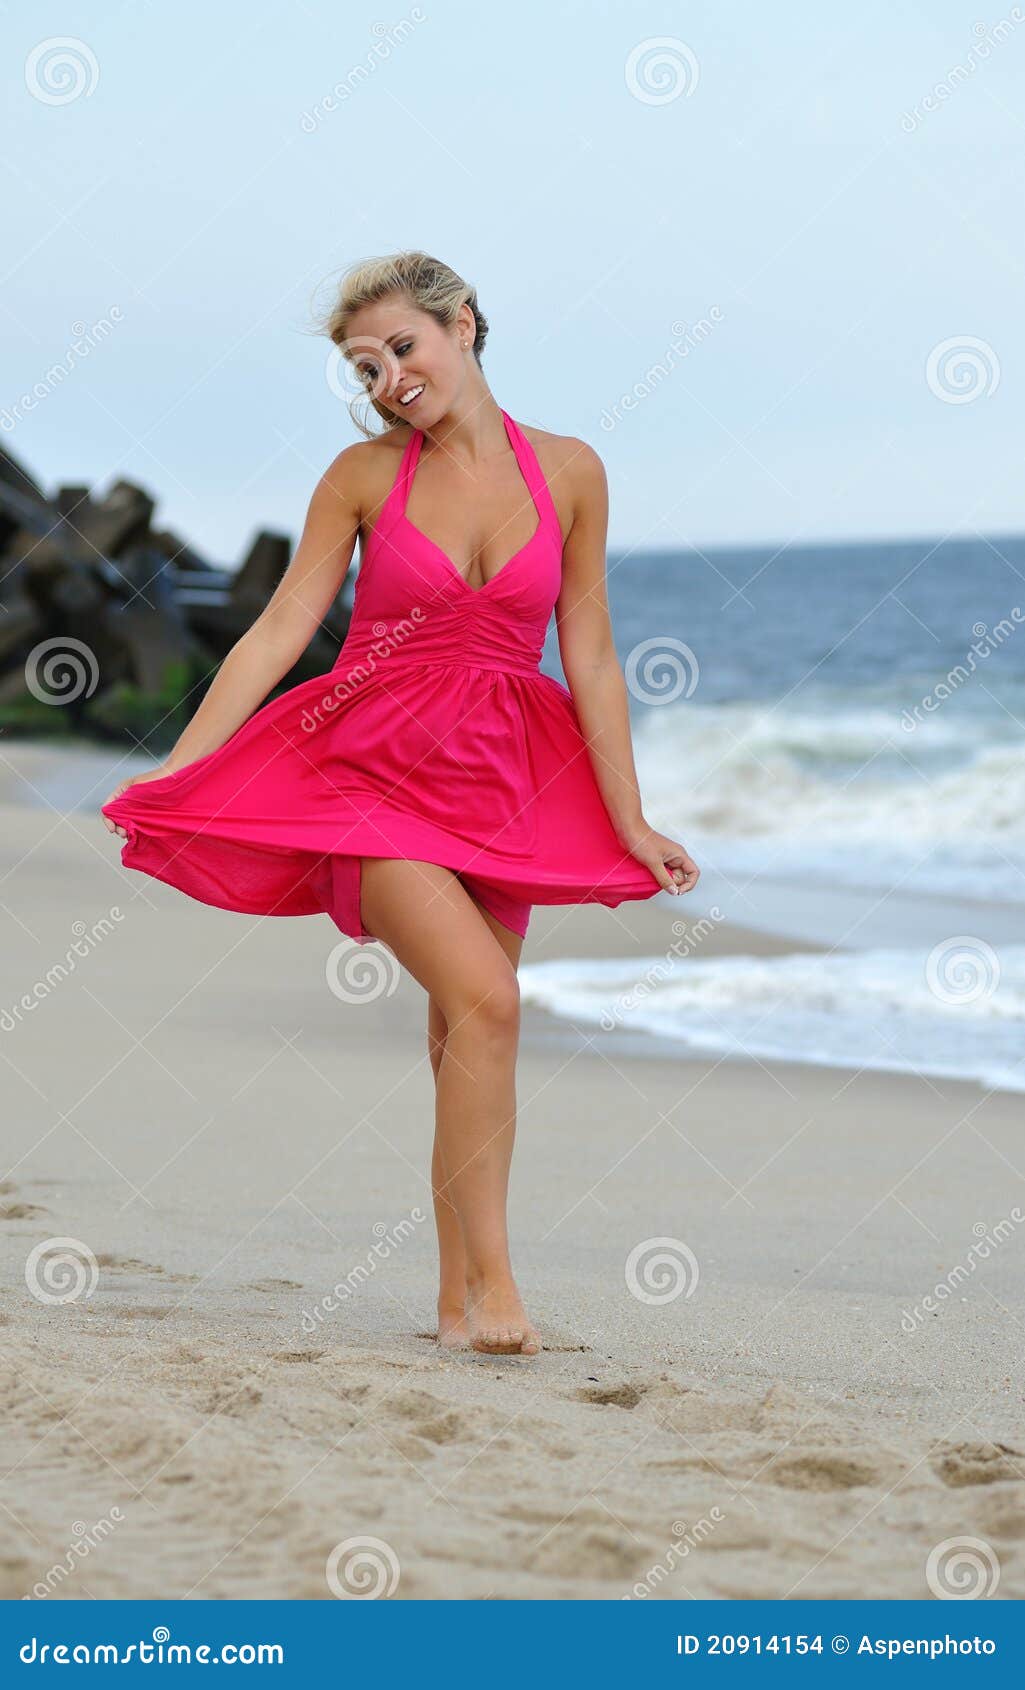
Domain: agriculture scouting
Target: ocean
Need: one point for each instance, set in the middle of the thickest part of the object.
(837, 735)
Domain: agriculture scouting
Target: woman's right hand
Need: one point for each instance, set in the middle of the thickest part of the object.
(159, 773)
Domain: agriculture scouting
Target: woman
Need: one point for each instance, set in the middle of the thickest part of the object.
(441, 785)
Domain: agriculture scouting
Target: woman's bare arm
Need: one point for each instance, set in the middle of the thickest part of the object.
(283, 630)
(595, 677)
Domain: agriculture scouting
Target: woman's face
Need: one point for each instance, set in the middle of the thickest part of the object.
(409, 363)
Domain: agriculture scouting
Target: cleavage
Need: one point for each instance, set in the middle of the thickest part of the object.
(505, 537)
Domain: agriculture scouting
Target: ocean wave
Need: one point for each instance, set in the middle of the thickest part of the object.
(956, 1011)
(839, 792)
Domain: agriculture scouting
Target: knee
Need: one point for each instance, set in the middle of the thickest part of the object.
(493, 1009)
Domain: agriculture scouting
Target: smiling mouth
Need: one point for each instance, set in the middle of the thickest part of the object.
(410, 398)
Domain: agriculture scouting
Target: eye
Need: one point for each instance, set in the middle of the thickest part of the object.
(370, 375)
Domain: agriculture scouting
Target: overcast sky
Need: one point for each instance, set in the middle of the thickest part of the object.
(765, 186)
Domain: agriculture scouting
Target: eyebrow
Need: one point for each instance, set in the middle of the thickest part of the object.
(398, 335)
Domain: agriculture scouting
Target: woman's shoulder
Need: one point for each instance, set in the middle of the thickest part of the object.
(367, 466)
(559, 450)
(568, 458)
(384, 448)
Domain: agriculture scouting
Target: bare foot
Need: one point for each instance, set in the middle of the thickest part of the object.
(453, 1331)
(497, 1320)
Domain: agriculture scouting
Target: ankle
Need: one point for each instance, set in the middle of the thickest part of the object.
(488, 1277)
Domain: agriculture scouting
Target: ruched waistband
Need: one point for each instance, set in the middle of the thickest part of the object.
(383, 654)
(368, 668)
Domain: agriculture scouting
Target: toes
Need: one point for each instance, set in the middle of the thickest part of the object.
(507, 1340)
(495, 1339)
(453, 1340)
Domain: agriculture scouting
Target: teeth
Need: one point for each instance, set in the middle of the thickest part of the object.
(407, 398)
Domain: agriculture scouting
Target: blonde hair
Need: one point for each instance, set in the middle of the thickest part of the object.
(426, 282)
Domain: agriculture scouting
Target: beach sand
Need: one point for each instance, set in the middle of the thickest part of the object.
(229, 1139)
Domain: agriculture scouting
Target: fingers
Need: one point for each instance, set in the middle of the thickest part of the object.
(665, 874)
(685, 871)
(688, 877)
(108, 822)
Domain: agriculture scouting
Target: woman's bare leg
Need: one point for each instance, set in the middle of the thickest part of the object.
(453, 1330)
(440, 935)
(452, 1327)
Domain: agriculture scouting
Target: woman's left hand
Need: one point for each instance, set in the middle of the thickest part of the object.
(671, 865)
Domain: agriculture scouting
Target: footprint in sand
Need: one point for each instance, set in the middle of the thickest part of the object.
(999, 1513)
(684, 1409)
(131, 1264)
(231, 1398)
(979, 1464)
(576, 1549)
(427, 1417)
(821, 1470)
(621, 1395)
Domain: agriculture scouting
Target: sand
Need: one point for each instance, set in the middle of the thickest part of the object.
(229, 1140)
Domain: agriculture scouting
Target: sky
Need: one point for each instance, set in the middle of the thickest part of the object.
(767, 261)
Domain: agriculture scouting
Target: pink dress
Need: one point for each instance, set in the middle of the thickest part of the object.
(433, 738)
